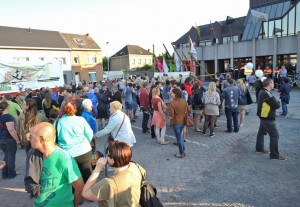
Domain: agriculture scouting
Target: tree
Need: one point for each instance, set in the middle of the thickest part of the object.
(105, 63)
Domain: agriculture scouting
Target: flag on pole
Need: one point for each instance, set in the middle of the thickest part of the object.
(185, 66)
(165, 66)
(177, 62)
(159, 65)
(193, 48)
(212, 29)
(259, 16)
(192, 69)
(197, 29)
(172, 67)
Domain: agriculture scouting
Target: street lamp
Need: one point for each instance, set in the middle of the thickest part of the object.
(107, 61)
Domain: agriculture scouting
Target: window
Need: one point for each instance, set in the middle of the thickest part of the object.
(277, 28)
(291, 25)
(284, 26)
(79, 41)
(271, 29)
(149, 61)
(76, 59)
(91, 59)
(133, 61)
(298, 17)
(273, 11)
(61, 59)
(140, 61)
(21, 59)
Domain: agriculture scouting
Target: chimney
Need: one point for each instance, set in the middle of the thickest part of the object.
(87, 34)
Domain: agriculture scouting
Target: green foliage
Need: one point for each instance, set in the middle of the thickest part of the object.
(105, 63)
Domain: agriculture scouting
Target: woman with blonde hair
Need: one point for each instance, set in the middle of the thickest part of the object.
(242, 102)
(211, 101)
(119, 125)
(159, 116)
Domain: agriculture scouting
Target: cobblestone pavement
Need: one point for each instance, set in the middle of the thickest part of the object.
(219, 171)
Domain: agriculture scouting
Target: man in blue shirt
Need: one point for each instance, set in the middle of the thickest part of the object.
(282, 75)
(231, 96)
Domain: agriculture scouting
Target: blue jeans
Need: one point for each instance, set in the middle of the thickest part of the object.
(284, 108)
(232, 115)
(268, 126)
(178, 130)
(9, 147)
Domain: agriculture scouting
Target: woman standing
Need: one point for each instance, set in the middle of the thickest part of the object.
(49, 104)
(8, 142)
(118, 126)
(211, 101)
(27, 121)
(123, 188)
(178, 111)
(159, 116)
(242, 102)
(74, 136)
(197, 105)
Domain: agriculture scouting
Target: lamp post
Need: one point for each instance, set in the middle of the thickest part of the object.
(107, 61)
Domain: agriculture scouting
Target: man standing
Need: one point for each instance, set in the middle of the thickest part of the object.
(266, 111)
(282, 75)
(128, 101)
(144, 104)
(59, 172)
(231, 96)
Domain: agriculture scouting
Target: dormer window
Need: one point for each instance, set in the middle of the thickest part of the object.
(79, 41)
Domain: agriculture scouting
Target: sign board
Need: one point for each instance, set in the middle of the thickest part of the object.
(20, 75)
(173, 75)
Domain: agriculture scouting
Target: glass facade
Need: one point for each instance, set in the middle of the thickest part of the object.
(283, 20)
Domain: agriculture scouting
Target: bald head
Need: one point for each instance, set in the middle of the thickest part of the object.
(44, 130)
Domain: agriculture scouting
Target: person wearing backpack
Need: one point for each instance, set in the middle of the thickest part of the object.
(242, 101)
(123, 188)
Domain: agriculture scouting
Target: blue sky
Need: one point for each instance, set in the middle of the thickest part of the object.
(120, 22)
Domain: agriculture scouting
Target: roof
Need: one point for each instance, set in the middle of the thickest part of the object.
(80, 41)
(132, 50)
(27, 37)
(220, 30)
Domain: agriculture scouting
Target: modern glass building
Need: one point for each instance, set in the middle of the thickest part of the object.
(269, 35)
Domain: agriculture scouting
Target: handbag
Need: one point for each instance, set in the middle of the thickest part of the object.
(148, 196)
(249, 98)
(110, 137)
(189, 119)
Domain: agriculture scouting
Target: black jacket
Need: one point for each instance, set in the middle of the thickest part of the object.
(267, 105)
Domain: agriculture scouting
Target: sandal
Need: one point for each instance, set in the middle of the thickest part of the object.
(164, 143)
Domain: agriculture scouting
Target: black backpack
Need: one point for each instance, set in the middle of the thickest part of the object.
(148, 193)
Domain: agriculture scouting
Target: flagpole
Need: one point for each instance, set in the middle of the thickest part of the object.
(154, 60)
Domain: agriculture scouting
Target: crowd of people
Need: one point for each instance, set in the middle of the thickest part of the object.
(58, 128)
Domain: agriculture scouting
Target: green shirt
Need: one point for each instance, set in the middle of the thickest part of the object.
(13, 109)
(59, 171)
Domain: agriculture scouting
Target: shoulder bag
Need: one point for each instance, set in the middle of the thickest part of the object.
(148, 196)
(110, 137)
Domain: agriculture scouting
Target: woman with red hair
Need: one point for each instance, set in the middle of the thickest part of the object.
(74, 135)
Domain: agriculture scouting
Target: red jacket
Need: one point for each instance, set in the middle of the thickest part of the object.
(188, 88)
(144, 98)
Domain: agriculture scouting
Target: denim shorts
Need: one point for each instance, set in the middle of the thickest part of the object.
(128, 106)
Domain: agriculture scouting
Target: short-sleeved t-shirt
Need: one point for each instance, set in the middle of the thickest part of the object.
(128, 94)
(122, 189)
(13, 109)
(4, 133)
(59, 171)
